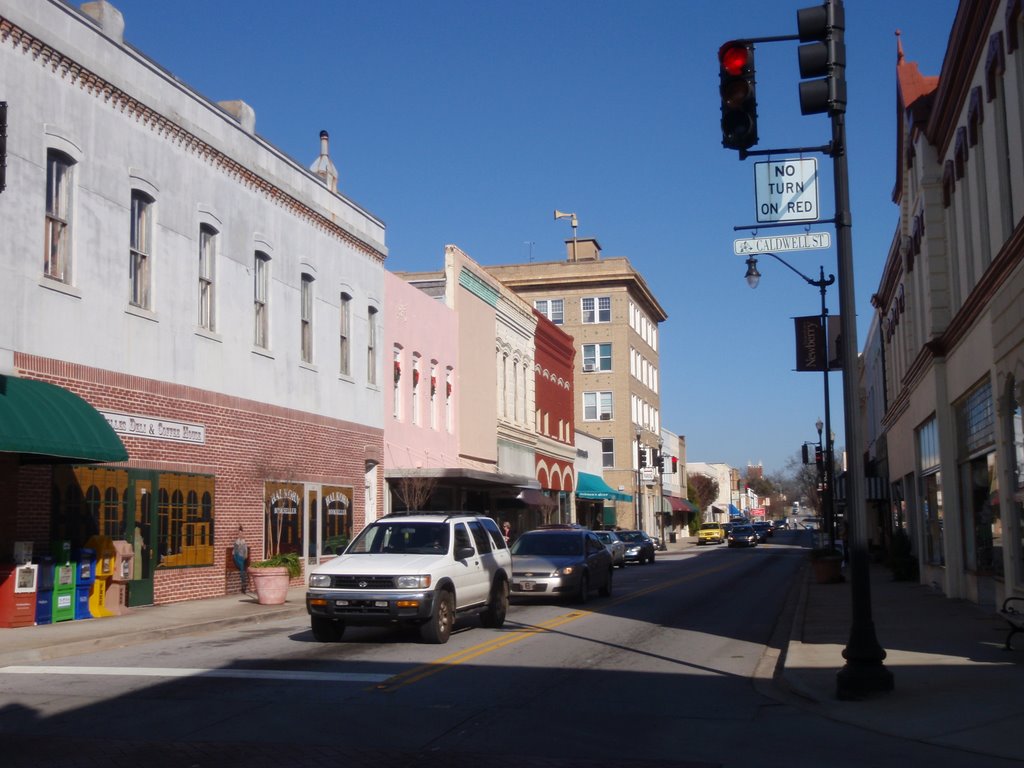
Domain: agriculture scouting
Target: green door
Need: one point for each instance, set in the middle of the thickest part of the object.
(142, 531)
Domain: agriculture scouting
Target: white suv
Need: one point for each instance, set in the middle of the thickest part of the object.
(419, 568)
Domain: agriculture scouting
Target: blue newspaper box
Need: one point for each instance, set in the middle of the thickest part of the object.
(44, 591)
(85, 575)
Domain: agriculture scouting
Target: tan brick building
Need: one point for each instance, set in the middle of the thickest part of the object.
(613, 317)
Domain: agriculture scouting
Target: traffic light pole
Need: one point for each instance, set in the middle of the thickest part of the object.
(864, 671)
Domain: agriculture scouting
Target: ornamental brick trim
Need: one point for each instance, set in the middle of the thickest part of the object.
(91, 83)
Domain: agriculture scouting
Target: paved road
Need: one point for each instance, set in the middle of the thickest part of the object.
(669, 671)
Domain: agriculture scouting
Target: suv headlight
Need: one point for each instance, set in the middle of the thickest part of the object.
(319, 580)
(413, 582)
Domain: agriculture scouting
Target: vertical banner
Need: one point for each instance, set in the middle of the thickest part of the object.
(810, 344)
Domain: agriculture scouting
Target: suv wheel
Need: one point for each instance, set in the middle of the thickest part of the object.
(326, 630)
(497, 606)
(438, 627)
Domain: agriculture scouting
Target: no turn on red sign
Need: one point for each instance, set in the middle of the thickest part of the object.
(786, 190)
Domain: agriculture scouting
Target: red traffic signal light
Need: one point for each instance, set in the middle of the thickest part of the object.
(739, 101)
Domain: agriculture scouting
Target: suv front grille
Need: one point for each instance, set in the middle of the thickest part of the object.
(363, 582)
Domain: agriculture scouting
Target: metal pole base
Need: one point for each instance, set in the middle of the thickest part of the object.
(857, 680)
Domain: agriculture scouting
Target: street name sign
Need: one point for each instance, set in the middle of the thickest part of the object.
(786, 190)
(808, 241)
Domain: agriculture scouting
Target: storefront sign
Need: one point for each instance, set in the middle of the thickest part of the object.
(155, 429)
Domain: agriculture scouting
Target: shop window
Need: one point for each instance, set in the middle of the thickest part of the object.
(185, 511)
(282, 520)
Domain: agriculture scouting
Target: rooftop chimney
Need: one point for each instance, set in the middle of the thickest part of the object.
(323, 167)
(242, 112)
(583, 249)
(109, 19)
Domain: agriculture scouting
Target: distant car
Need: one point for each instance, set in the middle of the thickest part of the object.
(560, 562)
(742, 536)
(711, 533)
(763, 531)
(639, 547)
(615, 545)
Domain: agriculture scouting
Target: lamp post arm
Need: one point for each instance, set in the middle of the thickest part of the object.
(817, 283)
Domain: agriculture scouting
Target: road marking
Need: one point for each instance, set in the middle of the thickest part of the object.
(525, 632)
(237, 674)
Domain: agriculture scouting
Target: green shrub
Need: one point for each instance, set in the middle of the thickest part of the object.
(289, 560)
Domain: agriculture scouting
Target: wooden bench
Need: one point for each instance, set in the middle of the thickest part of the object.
(1014, 617)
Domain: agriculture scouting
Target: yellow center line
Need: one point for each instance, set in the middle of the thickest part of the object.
(507, 638)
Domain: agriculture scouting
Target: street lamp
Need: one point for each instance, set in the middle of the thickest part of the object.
(753, 278)
(638, 507)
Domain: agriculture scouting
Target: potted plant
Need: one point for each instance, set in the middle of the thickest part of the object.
(270, 577)
(827, 564)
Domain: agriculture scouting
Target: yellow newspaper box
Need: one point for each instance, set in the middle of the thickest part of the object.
(105, 556)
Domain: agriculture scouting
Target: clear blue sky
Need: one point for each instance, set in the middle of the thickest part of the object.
(470, 121)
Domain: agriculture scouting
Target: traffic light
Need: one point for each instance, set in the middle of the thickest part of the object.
(819, 458)
(675, 465)
(824, 58)
(642, 456)
(659, 461)
(804, 454)
(739, 101)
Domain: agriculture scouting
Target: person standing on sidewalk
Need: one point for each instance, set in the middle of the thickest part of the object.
(240, 553)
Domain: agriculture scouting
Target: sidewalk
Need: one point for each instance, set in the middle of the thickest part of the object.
(954, 685)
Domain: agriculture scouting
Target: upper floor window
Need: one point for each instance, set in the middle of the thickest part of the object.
(552, 309)
(597, 357)
(59, 178)
(371, 345)
(345, 334)
(596, 309)
(597, 406)
(306, 318)
(140, 266)
(607, 452)
(207, 271)
(261, 300)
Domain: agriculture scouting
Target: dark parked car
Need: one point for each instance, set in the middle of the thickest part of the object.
(561, 562)
(763, 531)
(639, 546)
(742, 536)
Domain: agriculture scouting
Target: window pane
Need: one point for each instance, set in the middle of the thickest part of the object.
(345, 320)
(604, 307)
(139, 267)
(557, 315)
(207, 250)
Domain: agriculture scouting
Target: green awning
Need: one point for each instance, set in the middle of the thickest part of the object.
(46, 423)
(594, 487)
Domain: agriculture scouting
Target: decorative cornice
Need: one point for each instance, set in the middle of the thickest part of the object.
(120, 101)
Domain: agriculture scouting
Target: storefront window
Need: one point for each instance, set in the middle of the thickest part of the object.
(336, 519)
(931, 502)
(931, 491)
(282, 527)
(979, 484)
(1016, 462)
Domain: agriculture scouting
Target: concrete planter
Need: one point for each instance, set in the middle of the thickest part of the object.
(270, 584)
(828, 569)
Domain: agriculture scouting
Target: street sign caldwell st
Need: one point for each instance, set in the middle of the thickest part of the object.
(786, 190)
(808, 241)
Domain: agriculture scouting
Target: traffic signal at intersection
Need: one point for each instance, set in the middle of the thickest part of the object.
(642, 456)
(823, 57)
(739, 99)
